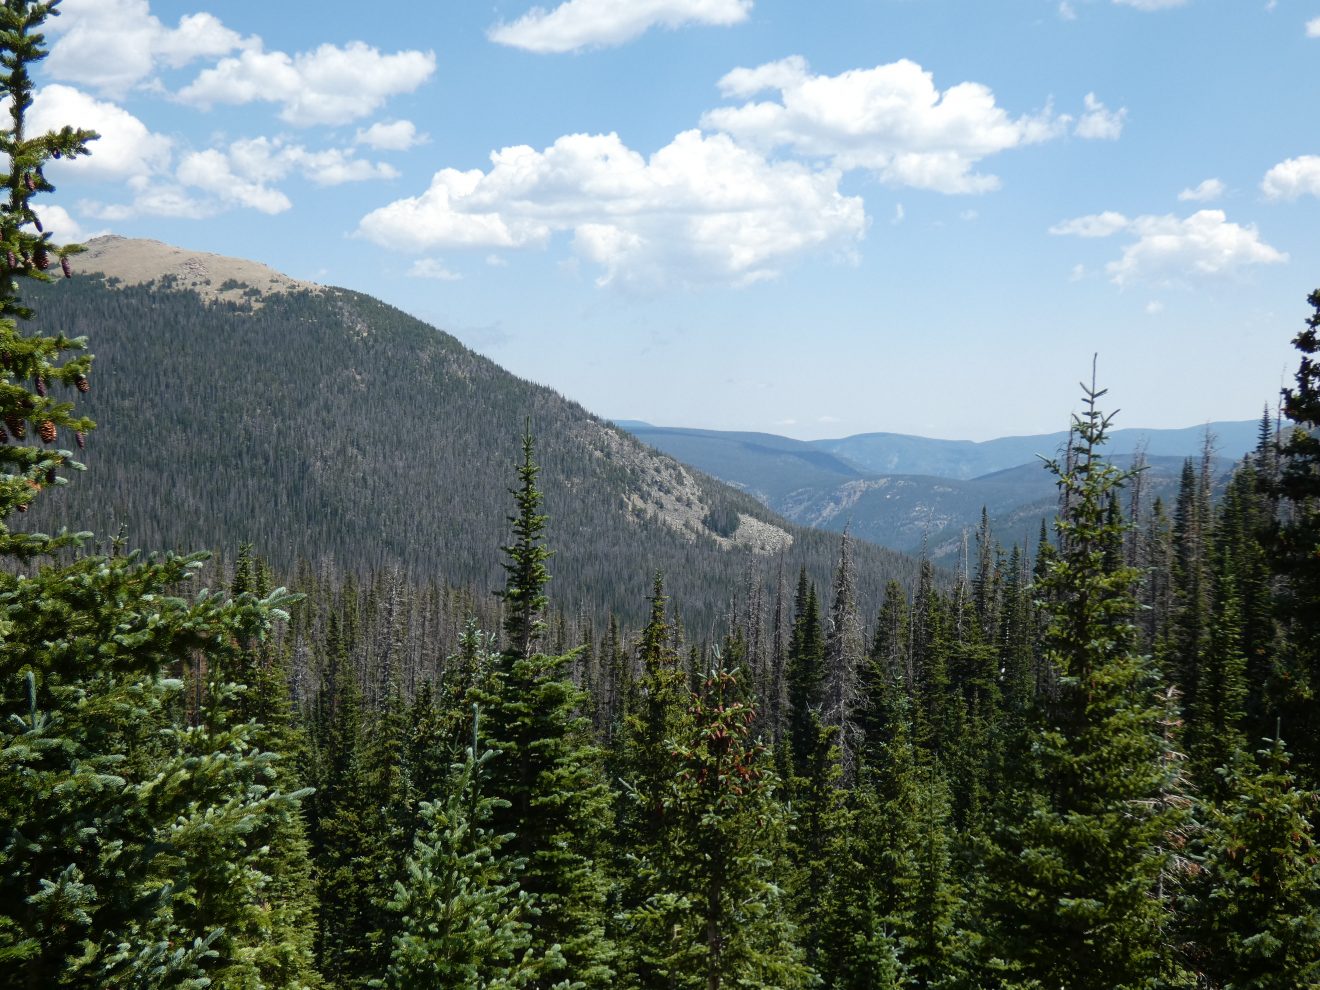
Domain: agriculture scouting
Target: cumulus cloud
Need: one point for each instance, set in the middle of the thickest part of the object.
(578, 24)
(272, 159)
(1293, 178)
(1206, 192)
(1095, 225)
(242, 175)
(702, 208)
(1099, 123)
(327, 86)
(393, 135)
(1167, 247)
(1313, 27)
(891, 120)
(63, 227)
(112, 45)
(433, 269)
(126, 147)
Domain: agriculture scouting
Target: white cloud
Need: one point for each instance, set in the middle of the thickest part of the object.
(212, 172)
(1095, 225)
(393, 135)
(272, 159)
(112, 45)
(125, 148)
(700, 209)
(1077, 274)
(330, 85)
(578, 24)
(890, 119)
(1167, 248)
(1206, 192)
(1292, 178)
(433, 269)
(1313, 27)
(1099, 123)
(1066, 11)
(899, 214)
(496, 261)
(62, 227)
(1151, 4)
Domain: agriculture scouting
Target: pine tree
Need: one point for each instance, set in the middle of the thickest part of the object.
(1074, 867)
(526, 574)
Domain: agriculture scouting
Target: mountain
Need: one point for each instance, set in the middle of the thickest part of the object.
(911, 493)
(235, 404)
(896, 453)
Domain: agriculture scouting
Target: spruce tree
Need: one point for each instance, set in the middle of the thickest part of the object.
(135, 795)
(548, 771)
(1075, 864)
(1297, 556)
(735, 931)
(464, 920)
(1254, 906)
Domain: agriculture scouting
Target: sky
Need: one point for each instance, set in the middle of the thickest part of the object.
(813, 219)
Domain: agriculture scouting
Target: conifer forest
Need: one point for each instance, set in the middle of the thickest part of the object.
(1090, 762)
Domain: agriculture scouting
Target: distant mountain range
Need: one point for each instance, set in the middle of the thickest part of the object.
(911, 493)
(236, 404)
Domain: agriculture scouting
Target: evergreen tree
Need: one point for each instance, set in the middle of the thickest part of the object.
(558, 807)
(1255, 906)
(844, 657)
(736, 932)
(1074, 867)
(1297, 559)
(464, 923)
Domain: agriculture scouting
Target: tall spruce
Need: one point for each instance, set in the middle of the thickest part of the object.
(548, 770)
(1075, 865)
(1298, 554)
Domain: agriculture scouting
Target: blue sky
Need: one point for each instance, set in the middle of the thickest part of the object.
(919, 216)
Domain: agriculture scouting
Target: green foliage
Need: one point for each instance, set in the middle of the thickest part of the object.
(131, 792)
(1255, 904)
(1076, 862)
(464, 923)
(29, 363)
(731, 927)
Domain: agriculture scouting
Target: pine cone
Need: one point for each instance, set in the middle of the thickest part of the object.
(30, 182)
(41, 386)
(12, 259)
(81, 438)
(41, 258)
(66, 268)
(36, 222)
(47, 431)
(16, 427)
(4, 437)
(82, 384)
(50, 476)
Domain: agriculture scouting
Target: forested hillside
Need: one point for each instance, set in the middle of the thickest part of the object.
(323, 424)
